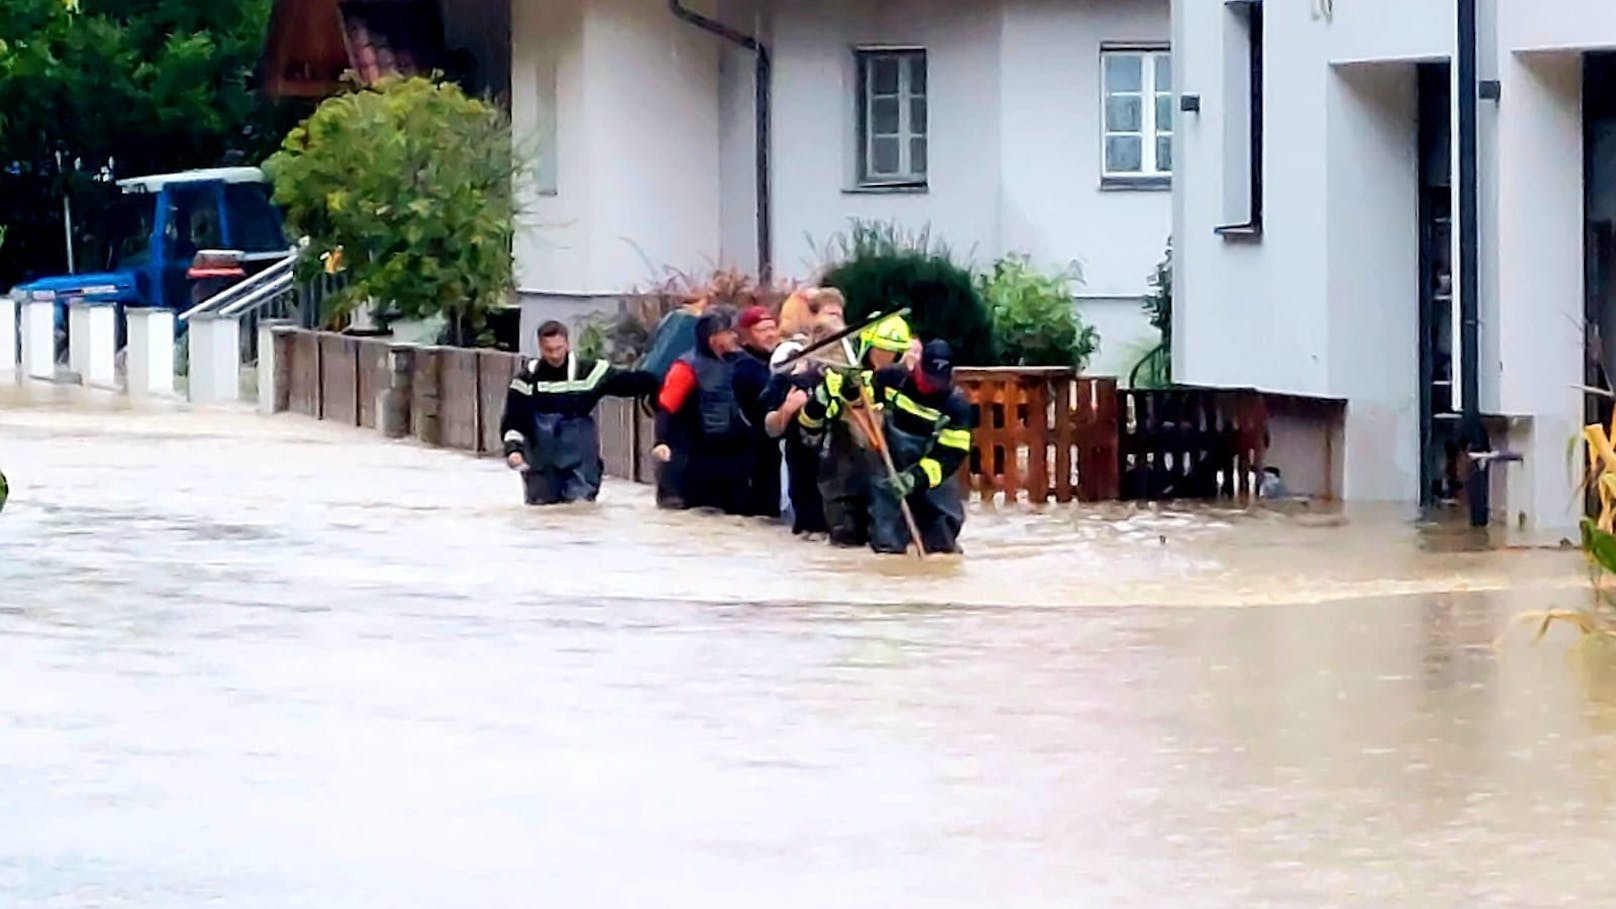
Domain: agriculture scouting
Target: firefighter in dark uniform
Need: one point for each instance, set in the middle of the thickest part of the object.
(549, 423)
(927, 422)
(848, 461)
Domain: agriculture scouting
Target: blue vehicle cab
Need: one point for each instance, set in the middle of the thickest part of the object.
(152, 233)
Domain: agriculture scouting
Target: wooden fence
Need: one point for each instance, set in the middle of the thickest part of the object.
(1042, 434)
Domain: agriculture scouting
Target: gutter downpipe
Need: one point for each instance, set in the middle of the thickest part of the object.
(1469, 263)
(764, 95)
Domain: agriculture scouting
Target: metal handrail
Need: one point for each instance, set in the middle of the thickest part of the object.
(231, 295)
(259, 297)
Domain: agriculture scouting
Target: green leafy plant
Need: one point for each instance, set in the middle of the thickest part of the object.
(1159, 302)
(881, 268)
(1035, 315)
(411, 181)
(1595, 621)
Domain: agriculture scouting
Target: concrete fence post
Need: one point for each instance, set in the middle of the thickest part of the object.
(100, 366)
(396, 399)
(426, 383)
(271, 374)
(8, 336)
(151, 352)
(78, 339)
(214, 352)
(39, 337)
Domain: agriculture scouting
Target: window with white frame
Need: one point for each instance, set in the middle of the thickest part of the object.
(891, 117)
(1137, 88)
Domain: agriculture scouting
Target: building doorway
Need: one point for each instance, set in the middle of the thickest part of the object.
(1599, 233)
(1441, 481)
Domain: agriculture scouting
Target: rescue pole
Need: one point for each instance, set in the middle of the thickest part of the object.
(842, 338)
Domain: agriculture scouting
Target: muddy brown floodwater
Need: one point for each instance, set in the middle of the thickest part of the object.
(256, 662)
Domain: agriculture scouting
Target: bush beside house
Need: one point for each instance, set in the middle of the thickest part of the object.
(410, 181)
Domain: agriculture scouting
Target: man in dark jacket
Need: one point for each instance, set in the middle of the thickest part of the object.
(760, 335)
(927, 423)
(549, 423)
(702, 438)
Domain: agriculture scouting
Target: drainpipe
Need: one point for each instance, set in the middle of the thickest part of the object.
(1469, 264)
(763, 78)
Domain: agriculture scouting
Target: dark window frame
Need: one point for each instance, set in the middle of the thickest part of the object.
(1252, 227)
(912, 181)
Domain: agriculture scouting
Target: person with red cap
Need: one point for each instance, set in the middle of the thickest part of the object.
(760, 335)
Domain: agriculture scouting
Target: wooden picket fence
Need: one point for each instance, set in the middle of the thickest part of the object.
(1042, 434)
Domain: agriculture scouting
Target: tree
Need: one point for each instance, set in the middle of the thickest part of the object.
(411, 180)
(1035, 315)
(147, 85)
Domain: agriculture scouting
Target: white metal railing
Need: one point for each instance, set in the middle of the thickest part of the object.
(254, 291)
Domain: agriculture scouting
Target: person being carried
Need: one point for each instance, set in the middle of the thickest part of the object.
(847, 460)
(927, 423)
(788, 394)
(549, 425)
(702, 439)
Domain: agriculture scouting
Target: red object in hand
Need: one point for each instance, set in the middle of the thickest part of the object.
(677, 386)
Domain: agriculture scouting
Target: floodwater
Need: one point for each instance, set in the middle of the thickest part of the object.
(254, 662)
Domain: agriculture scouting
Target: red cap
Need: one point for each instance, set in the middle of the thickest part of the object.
(752, 316)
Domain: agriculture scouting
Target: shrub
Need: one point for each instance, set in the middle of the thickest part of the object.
(1159, 302)
(411, 180)
(879, 268)
(623, 337)
(1035, 315)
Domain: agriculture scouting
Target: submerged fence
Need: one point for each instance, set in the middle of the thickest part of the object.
(1042, 434)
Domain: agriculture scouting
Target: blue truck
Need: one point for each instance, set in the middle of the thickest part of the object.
(150, 238)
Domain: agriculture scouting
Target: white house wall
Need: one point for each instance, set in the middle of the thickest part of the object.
(637, 120)
(1014, 142)
(1326, 302)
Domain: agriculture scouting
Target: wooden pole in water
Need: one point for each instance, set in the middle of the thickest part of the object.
(878, 438)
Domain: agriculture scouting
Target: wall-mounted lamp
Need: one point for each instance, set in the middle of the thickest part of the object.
(1489, 89)
(1189, 103)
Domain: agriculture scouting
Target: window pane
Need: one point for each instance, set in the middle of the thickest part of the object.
(884, 75)
(884, 116)
(1164, 154)
(1164, 73)
(883, 157)
(1124, 113)
(1123, 73)
(1164, 113)
(1124, 154)
(917, 157)
(917, 116)
(917, 73)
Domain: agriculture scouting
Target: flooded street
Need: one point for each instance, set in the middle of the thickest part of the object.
(255, 662)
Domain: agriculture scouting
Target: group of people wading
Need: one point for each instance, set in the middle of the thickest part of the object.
(851, 436)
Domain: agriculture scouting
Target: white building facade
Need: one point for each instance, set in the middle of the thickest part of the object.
(1001, 126)
(1314, 208)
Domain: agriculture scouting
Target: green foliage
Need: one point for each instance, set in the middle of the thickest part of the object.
(154, 85)
(1159, 302)
(880, 269)
(412, 181)
(1035, 315)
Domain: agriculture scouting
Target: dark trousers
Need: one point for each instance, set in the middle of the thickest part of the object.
(555, 486)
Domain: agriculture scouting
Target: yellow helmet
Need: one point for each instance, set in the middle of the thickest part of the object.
(891, 333)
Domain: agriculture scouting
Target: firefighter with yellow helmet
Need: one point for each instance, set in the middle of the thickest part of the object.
(848, 463)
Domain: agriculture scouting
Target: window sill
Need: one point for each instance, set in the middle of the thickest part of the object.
(1249, 232)
(1149, 184)
(887, 189)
